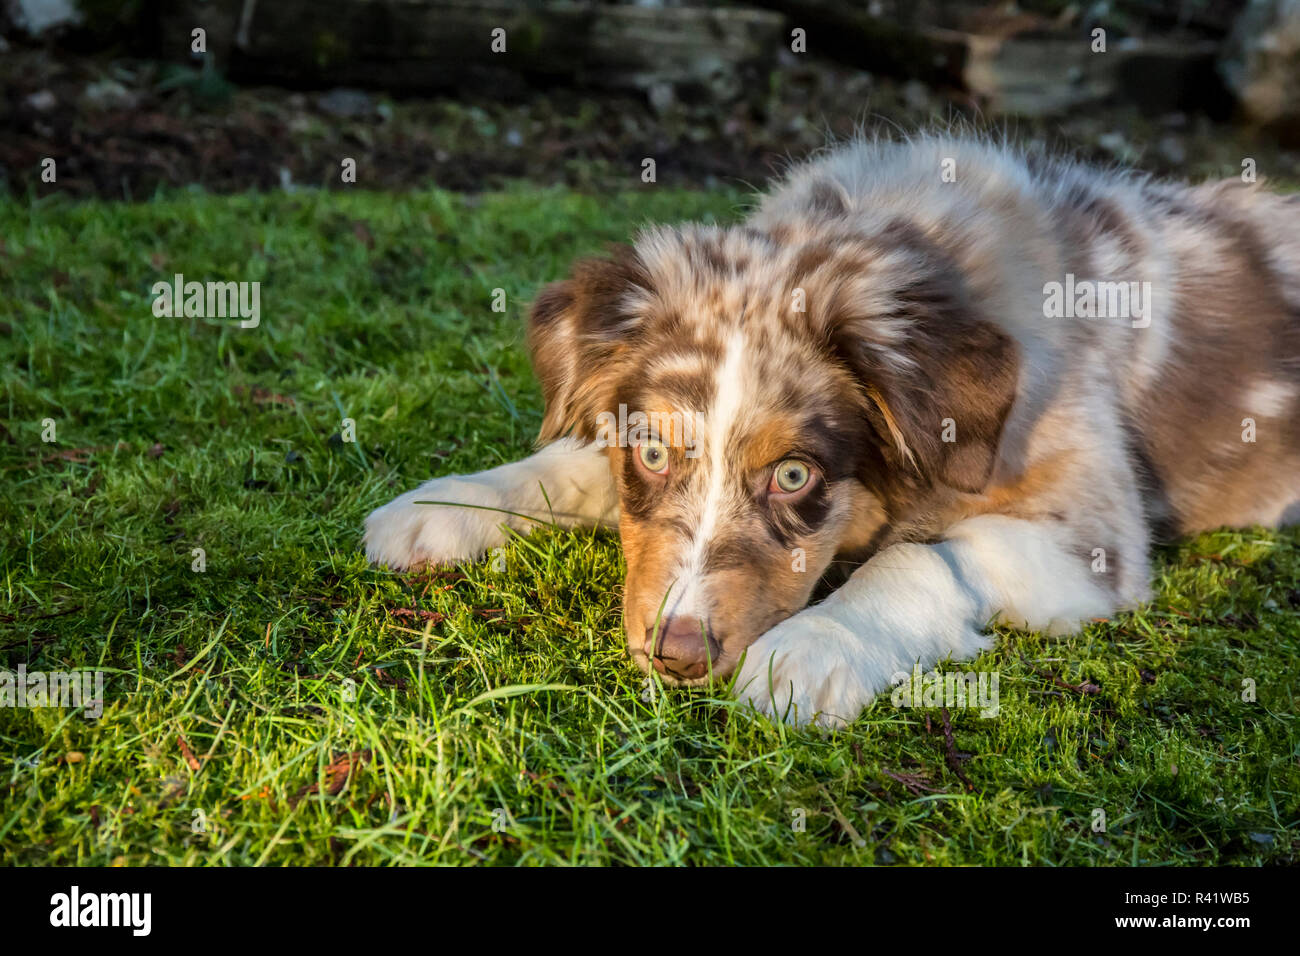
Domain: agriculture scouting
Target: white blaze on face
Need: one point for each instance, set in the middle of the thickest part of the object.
(715, 443)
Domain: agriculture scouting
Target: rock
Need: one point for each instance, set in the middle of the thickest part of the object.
(408, 46)
(1023, 74)
(1261, 64)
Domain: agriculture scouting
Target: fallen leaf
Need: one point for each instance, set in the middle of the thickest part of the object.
(188, 754)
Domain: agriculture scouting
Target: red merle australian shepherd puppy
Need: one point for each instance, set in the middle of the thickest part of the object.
(987, 379)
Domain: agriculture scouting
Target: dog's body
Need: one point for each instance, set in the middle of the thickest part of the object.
(875, 368)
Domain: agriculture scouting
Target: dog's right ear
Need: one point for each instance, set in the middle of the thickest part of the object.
(578, 330)
(551, 345)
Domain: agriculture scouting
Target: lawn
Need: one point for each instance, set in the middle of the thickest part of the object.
(288, 704)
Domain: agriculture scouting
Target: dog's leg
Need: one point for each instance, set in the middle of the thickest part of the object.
(568, 481)
(915, 603)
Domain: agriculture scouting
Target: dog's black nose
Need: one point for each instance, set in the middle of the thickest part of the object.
(684, 647)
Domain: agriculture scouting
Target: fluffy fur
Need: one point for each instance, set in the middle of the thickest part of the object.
(878, 325)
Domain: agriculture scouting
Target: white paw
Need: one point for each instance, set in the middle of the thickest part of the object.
(812, 669)
(806, 670)
(403, 534)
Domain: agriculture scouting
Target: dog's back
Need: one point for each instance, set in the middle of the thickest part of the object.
(1201, 360)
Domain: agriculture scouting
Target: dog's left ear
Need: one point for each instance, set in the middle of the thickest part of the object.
(577, 330)
(939, 378)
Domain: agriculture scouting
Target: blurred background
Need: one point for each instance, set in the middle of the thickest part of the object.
(469, 95)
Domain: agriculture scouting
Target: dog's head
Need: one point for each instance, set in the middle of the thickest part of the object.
(767, 405)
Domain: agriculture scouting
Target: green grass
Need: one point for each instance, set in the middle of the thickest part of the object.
(495, 695)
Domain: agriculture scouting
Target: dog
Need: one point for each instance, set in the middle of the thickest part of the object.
(985, 378)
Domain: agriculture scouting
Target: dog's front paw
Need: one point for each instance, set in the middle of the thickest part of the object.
(403, 534)
(814, 669)
(809, 669)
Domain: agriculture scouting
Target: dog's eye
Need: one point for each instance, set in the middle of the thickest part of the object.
(790, 476)
(654, 456)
